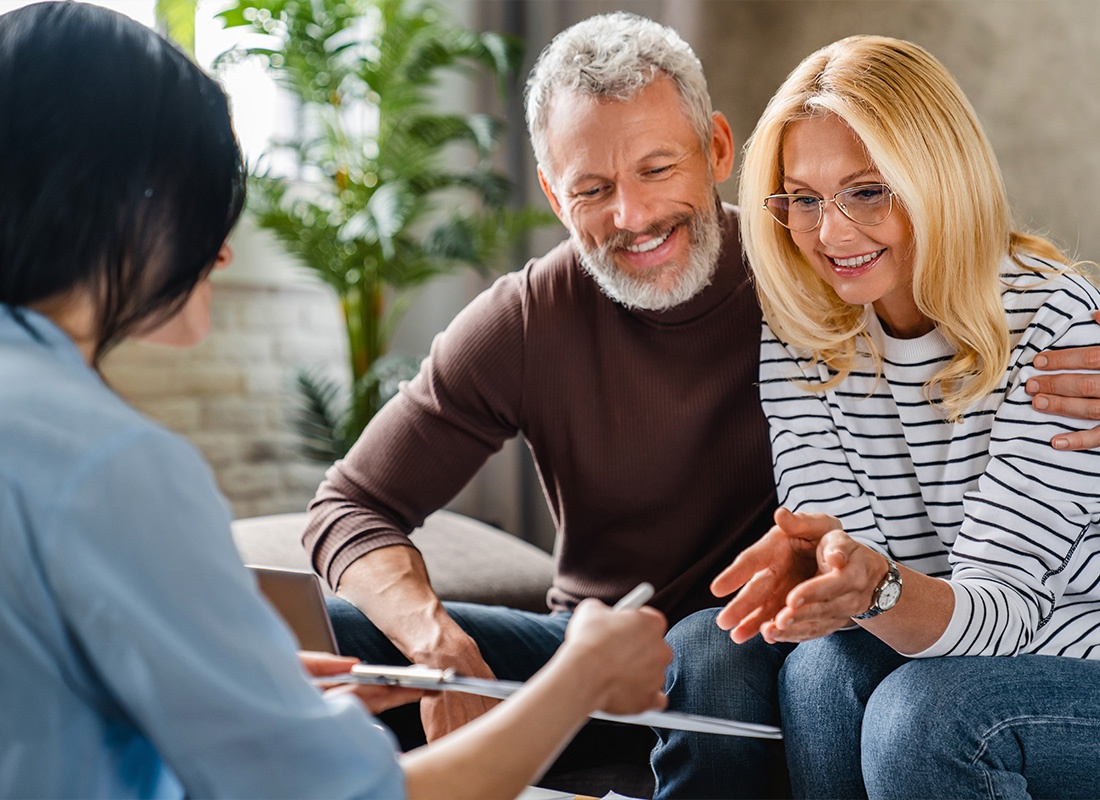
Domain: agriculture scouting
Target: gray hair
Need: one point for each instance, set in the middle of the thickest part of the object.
(615, 56)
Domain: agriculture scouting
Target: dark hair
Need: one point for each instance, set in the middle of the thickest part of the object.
(119, 170)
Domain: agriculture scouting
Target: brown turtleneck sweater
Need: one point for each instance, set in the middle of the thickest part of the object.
(646, 428)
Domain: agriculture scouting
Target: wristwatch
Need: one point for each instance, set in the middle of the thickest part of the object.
(887, 593)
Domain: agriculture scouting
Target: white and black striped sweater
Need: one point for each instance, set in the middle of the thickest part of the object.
(987, 504)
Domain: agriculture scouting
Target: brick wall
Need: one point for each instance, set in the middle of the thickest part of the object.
(231, 394)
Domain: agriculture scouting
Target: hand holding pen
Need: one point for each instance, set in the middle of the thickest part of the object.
(621, 650)
(635, 598)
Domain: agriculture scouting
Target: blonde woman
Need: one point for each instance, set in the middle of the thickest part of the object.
(922, 506)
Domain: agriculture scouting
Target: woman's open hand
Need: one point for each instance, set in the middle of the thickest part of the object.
(805, 579)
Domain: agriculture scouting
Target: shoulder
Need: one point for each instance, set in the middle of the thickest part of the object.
(1040, 288)
(61, 425)
(1030, 283)
(556, 278)
(84, 465)
(1046, 303)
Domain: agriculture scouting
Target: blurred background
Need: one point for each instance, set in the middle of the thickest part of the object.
(1030, 67)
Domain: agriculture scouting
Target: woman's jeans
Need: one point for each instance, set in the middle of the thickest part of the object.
(860, 720)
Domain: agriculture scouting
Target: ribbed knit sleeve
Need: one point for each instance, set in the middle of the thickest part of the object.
(426, 443)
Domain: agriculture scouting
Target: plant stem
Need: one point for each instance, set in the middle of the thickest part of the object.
(363, 313)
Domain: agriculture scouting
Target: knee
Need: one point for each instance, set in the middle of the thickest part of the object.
(815, 668)
(343, 615)
(911, 698)
(700, 648)
(695, 635)
(692, 642)
(846, 665)
(357, 636)
(811, 686)
(915, 703)
(708, 669)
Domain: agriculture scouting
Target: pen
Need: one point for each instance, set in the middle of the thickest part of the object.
(636, 598)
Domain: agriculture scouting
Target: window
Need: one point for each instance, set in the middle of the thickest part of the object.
(261, 113)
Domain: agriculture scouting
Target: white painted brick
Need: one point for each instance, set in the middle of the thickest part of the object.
(303, 476)
(308, 349)
(270, 312)
(236, 347)
(321, 313)
(266, 380)
(231, 394)
(225, 310)
(138, 382)
(233, 414)
(180, 414)
(262, 506)
(219, 449)
(266, 447)
(249, 481)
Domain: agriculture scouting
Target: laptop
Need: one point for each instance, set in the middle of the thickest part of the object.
(296, 595)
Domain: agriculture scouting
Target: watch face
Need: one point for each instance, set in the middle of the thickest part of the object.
(889, 595)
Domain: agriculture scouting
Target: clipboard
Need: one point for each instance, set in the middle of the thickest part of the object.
(447, 680)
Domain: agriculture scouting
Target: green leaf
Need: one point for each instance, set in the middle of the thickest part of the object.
(177, 19)
(320, 416)
(384, 197)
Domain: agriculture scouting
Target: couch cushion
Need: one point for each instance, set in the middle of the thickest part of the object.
(467, 560)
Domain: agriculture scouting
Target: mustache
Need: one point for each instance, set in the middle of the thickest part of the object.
(623, 239)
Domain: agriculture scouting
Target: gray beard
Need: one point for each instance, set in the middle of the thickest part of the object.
(633, 292)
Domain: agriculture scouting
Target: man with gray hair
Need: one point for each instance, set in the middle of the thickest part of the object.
(627, 358)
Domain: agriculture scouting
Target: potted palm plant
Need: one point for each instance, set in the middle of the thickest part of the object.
(375, 208)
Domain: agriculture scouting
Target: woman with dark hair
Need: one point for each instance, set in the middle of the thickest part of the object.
(136, 656)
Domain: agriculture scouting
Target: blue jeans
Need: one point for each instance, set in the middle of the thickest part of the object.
(713, 676)
(709, 675)
(515, 644)
(861, 720)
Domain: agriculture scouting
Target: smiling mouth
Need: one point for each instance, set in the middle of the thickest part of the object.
(649, 244)
(856, 261)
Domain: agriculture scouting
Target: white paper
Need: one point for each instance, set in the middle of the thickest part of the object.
(446, 681)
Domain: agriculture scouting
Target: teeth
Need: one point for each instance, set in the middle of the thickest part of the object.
(858, 261)
(651, 244)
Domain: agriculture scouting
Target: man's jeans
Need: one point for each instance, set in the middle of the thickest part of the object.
(860, 720)
(713, 676)
(709, 675)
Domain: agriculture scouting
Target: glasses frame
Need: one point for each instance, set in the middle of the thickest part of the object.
(822, 201)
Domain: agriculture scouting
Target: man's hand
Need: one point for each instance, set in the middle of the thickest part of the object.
(447, 711)
(621, 654)
(1069, 395)
(375, 698)
(768, 571)
(391, 587)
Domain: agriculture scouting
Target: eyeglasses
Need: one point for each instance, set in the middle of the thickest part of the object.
(869, 204)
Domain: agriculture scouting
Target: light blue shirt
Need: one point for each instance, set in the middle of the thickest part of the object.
(136, 657)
